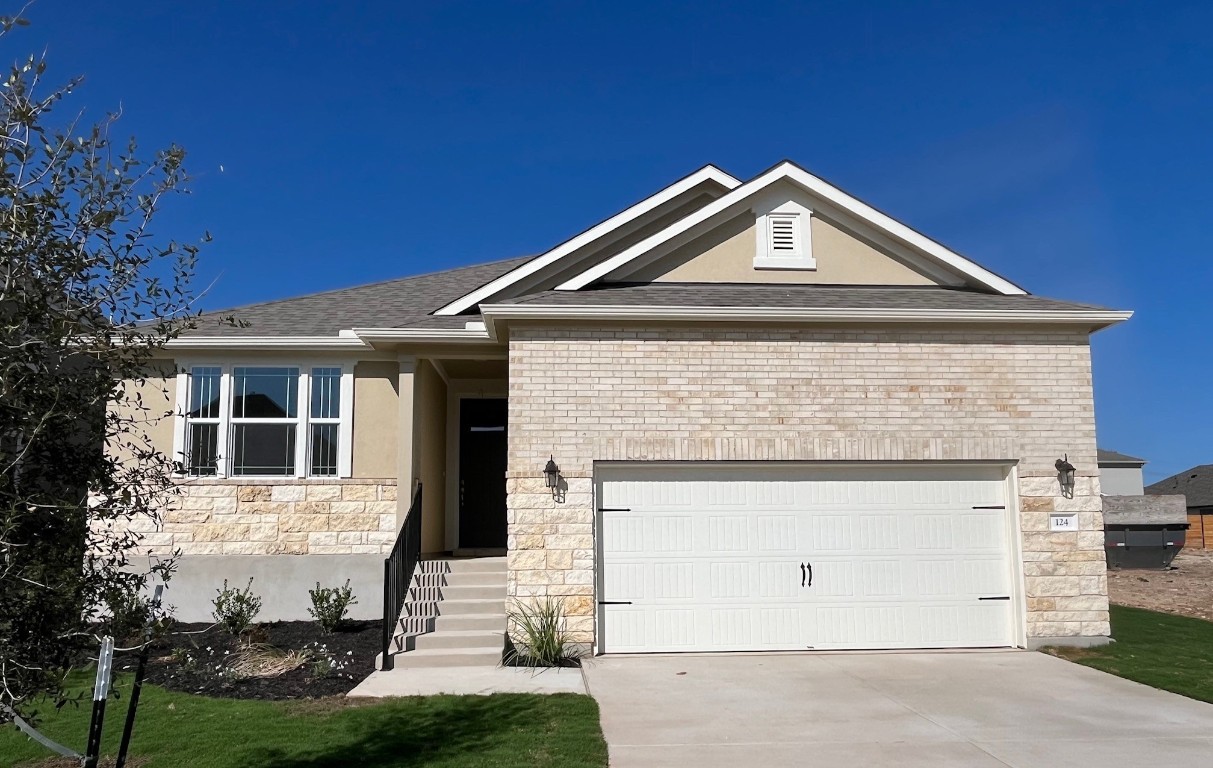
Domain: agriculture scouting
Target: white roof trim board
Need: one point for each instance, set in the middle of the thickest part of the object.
(345, 340)
(707, 173)
(1094, 318)
(825, 190)
(496, 315)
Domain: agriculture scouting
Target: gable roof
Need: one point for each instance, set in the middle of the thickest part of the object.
(706, 174)
(1195, 483)
(1113, 458)
(390, 304)
(789, 171)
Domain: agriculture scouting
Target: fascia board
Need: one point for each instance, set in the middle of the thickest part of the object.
(267, 342)
(424, 335)
(707, 173)
(1092, 318)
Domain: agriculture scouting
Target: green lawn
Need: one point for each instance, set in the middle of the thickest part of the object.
(177, 729)
(1174, 653)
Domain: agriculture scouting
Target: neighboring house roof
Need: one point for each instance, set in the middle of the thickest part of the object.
(388, 304)
(1195, 483)
(793, 297)
(1114, 459)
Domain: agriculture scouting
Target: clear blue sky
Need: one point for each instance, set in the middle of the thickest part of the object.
(1068, 146)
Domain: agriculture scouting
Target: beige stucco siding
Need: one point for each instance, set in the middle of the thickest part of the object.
(376, 419)
(149, 405)
(1008, 396)
(726, 255)
(429, 454)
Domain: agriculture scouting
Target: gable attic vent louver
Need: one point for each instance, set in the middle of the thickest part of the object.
(783, 240)
(785, 234)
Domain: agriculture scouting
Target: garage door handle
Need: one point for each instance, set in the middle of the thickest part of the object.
(802, 575)
(613, 509)
(1002, 597)
(806, 570)
(614, 602)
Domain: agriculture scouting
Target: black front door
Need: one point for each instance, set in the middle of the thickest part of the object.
(482, 461)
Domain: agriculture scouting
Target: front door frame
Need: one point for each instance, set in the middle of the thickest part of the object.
(457, 390)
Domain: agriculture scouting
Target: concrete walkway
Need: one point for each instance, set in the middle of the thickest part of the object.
(480, 680)
(897, 709)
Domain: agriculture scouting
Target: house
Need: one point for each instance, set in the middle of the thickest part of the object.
(1196, 485)
(1120, 474)
(774, 418)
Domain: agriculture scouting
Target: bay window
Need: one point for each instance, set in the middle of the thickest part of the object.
(265, 420)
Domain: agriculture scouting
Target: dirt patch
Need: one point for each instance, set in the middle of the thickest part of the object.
(1186, 589)
(200, 658)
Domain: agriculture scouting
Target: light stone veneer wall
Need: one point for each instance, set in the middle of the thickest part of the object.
(938, 394)
(275, 517)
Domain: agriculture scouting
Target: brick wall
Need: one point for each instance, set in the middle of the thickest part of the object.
(804, 394)
(275, 517)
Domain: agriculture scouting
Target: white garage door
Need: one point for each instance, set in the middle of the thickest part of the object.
(734, 558)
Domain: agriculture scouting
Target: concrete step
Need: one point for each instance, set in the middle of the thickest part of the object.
(464, 638)
(480, 552)
(473, 592)
(473, 579)
(467, 565)
(470, 621)
(477, 605)
(448, 657)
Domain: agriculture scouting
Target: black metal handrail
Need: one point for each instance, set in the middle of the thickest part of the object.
(398, 571)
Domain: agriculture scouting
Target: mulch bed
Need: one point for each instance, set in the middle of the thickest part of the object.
(186, 659)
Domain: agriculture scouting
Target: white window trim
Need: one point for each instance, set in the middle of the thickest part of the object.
(801, 257)
(345, 431)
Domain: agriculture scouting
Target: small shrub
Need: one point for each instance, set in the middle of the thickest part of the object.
(539, 629)
(130, 615)
(325, 664)
(235, 609)
(330, 604)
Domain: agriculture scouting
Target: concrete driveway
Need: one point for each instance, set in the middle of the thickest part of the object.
(896, 709)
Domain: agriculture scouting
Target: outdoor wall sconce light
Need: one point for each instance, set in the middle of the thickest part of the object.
(1065, 476)
(551, 476)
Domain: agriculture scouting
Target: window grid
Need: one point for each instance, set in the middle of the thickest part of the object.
(317, 415)
(325, 417)
(203, 422)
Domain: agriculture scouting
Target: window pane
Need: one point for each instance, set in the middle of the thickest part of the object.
(204, 393)
(326, 393)
(265, 393)
(263, 449)
(202, 449)
(324, 449)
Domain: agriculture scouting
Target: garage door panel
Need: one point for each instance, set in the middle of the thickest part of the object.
(776, 533)
(648, 494)
(880, 532)
(673, 581)
(729, 533)
(716, 564)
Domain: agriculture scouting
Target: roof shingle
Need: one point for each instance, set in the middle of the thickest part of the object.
(1195, 483)
(792, 297)
(389, 304)
(1115, 457)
